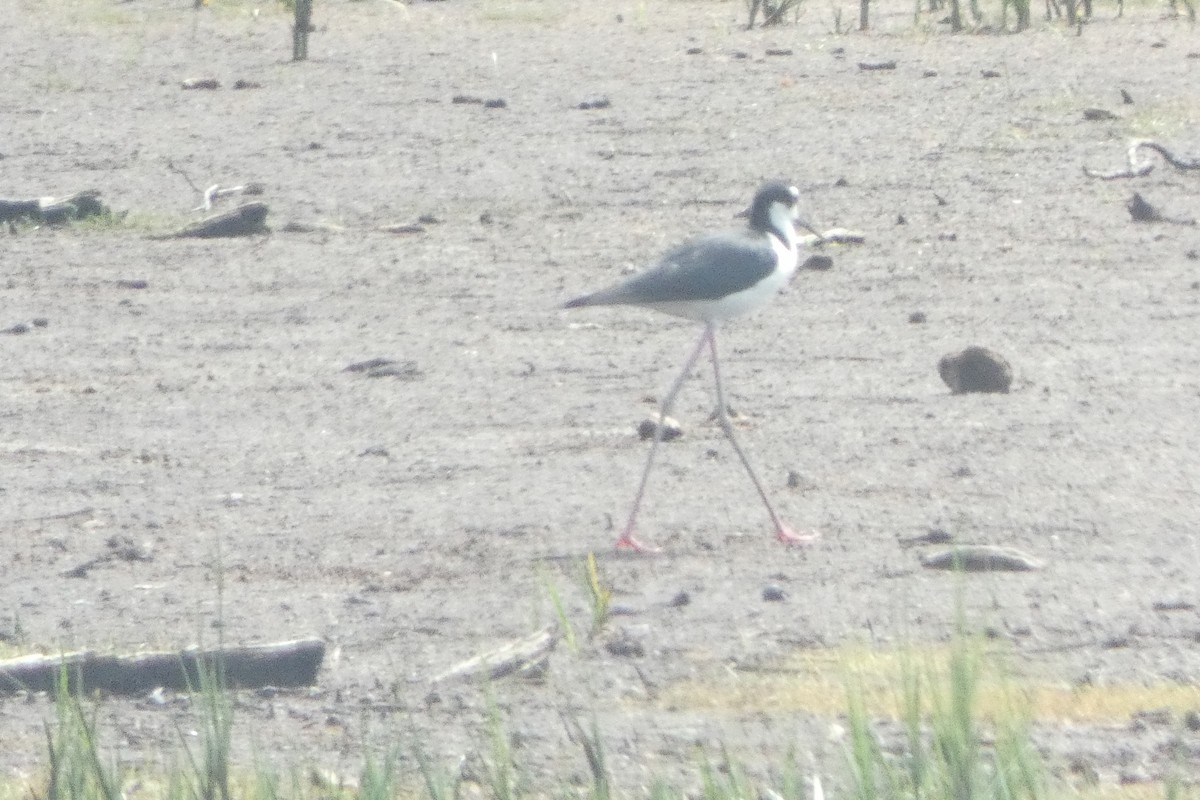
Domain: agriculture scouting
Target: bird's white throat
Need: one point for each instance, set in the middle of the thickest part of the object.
(783, 221)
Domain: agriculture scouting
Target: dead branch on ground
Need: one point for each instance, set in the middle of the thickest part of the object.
(1137, 168)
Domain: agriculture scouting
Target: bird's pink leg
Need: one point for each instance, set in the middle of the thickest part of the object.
(628, 538)
(782, 532)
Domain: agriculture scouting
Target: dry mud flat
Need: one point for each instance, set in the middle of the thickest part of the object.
(413, 520)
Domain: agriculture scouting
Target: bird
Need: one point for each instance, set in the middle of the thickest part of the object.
(710, 279)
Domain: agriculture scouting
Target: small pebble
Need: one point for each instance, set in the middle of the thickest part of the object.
(773, 594)
(624, 645)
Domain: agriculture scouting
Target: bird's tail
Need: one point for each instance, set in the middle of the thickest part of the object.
(581, 301)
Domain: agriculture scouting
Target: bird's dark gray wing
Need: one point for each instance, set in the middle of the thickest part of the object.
(708, 268)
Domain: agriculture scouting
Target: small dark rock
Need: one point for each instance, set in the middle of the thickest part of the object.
(1191, 721)
(648, 428)
(918, 317)
(17, 329)
(466, 99)
(841, 182)
(1098, 114)
(680, 600)
(818, 262)
(1126, 98)
(40, 322)
(900, 220)
(779, 51)
(931, 536)
(990, 73)
(1141, 211)
(595, 104)
(975, 369)
(241, 83)
(495, 102)
(132, 283)
(625, 645)
(694, 51)
(740, 55)
(773, 593)
(876, 66)
(929, 73)
(125, 549)
(428, 219)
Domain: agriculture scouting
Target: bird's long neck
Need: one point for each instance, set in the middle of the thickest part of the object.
(782, 226)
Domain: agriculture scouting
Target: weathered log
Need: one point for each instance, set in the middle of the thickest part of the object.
(981, 558)
(12, 210)
(54, 211)
(292, 663)
(245, 220)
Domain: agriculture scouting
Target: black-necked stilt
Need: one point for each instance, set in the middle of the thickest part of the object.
(710, 279)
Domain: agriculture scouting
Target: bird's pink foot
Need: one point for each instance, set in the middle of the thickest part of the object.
(788, 536)
(629, 542)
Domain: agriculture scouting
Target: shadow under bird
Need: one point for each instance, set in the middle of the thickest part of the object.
(710, 279)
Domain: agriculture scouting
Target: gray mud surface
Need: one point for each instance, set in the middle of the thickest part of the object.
(415, 520)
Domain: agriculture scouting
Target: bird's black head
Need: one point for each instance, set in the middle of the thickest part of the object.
(770, 202)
